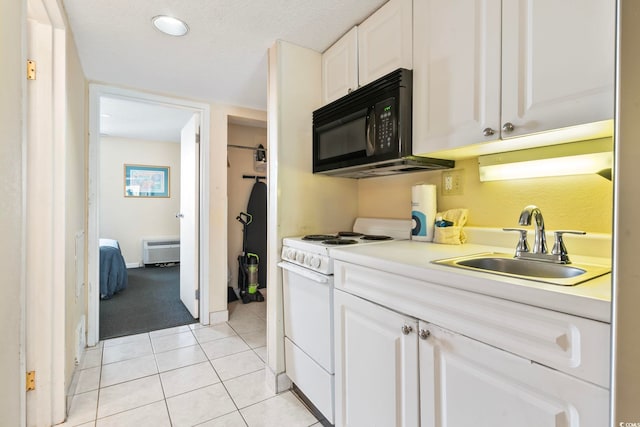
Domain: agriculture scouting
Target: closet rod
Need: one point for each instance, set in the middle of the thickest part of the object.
(244, 147)
(256, 177)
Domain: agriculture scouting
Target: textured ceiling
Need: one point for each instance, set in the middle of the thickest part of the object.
(223, 59)
(141, 120)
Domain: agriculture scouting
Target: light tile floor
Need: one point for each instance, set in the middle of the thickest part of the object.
(190, 375)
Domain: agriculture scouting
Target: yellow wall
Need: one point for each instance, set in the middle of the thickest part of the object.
(575, 202)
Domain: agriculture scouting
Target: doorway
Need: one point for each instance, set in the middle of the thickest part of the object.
(133, 247)
(246, 165)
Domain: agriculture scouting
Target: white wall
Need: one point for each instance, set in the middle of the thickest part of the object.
(131, 219)
(241, 162)
(75, 209)
(11, 212)
(626, 317)
(300, 202)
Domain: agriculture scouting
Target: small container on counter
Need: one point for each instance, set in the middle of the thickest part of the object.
(423, 212)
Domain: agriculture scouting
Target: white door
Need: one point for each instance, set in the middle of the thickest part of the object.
(456, 74)
(340, 67)
(189, 214)
(464, 382)
(376, 365)
(557, 63)
(385, 41)
(46, 236)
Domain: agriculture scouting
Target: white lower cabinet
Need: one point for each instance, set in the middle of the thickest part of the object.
(393, 370)
(376, 365)
(464, 382)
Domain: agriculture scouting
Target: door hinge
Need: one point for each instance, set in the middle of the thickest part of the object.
(31, 380)
(197, 294)
(31, 69)
(197, 138)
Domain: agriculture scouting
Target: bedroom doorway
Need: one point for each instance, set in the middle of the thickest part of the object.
(165, 209)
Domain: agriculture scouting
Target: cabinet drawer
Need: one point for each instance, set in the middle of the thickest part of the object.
(571, 344)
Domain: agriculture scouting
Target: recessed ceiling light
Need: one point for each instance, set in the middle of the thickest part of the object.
(170, 25)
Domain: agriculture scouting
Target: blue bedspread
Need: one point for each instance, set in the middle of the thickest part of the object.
(113, 272)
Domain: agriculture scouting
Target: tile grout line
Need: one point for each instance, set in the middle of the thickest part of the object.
(248, 313)
(221, 382)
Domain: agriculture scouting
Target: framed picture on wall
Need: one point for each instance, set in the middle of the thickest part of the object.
(146, 181)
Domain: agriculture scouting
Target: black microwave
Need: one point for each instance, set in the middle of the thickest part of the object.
(368, 132)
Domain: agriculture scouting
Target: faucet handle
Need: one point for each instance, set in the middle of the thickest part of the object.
(523, 245)
(559, 249)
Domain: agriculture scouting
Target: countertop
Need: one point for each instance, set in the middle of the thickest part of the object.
(591, 299)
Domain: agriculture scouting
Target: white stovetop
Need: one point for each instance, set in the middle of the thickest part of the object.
(412, 259)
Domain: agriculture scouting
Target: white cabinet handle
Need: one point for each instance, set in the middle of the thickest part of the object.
(407, 329)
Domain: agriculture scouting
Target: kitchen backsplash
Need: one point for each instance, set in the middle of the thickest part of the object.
(582, 202)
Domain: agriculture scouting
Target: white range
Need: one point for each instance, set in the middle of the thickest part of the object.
(307, 269)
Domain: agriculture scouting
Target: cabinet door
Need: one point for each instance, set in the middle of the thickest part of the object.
(385, 41)
(464, 382)
(456, 75)
(376, 365)
(557, 63)
(340, 67)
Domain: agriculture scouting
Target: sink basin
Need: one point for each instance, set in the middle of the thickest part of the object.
(540, 271)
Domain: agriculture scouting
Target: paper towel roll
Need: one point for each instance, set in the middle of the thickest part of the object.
(423, 211)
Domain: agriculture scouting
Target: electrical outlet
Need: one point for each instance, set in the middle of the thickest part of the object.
(452, 182)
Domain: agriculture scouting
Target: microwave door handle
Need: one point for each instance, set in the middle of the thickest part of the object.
(371, 132)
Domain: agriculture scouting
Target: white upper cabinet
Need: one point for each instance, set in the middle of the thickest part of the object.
(378, 46)
(385, 41)
(456, 75)
(340, 67)
(557, 63)
(499, 69)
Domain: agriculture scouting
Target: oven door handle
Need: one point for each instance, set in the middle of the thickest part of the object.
(305, 272)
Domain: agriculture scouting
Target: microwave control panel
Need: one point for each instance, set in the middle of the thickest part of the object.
(386, 119)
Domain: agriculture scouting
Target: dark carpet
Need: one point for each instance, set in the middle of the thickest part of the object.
(151, 301)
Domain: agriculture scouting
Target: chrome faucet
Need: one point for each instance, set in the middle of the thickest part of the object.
(558, 254)
(539, 240)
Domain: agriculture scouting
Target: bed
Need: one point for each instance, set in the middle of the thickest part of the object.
(113, 269)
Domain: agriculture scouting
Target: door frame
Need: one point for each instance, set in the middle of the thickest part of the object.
(43, 318)
(96, 91)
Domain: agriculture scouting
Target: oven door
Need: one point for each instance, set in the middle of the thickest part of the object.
(308, 312)
(308, 328)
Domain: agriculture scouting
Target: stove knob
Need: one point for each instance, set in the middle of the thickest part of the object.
(314, 262)
(291, 254)
(300, 257)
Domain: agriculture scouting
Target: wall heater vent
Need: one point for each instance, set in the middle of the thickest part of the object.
(160, 251)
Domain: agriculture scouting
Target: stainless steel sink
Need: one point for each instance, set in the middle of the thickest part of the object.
(540, 271)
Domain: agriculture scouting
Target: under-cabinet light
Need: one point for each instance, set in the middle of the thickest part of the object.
(170, 25)
(577, 158)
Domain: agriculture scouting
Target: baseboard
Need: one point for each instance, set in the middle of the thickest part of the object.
(216, 317)
(71, 390)
(277, 383)
(134, 265)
